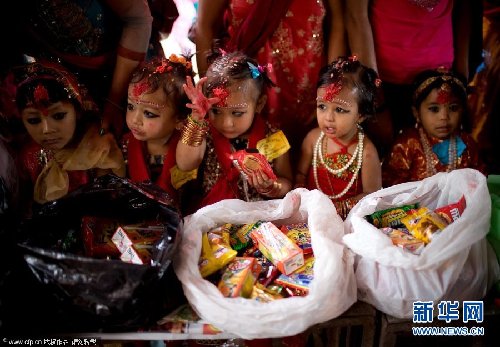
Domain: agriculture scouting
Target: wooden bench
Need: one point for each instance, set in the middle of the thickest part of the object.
(357, 324)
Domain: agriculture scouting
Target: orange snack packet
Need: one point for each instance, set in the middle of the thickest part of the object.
(278, 248)
(238, 278)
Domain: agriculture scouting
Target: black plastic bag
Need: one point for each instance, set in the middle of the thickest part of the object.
(74, 293)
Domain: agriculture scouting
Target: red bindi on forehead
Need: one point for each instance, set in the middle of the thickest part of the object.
(332, 90)
(222, 93)
(444, 94)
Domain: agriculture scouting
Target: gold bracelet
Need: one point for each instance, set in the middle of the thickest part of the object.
(194, 132)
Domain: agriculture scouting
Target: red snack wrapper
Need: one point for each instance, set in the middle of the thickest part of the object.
(250, 162)
(452, 212)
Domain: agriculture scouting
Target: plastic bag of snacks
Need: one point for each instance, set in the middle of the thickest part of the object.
(68, 282)
(455, 262)
(330, 293)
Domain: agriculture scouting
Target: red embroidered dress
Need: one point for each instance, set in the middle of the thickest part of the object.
(220, 179)
(332, 184)
(407, 161)
(138, 167)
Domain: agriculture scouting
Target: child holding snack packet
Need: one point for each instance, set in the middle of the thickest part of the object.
(236, 151)
(65, 149)
(437, 144)
(337, 158)
(155, 111)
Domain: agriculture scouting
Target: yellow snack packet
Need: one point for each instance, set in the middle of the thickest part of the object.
(207, 264)
(273, 146)
(424, 224)
(221, 248)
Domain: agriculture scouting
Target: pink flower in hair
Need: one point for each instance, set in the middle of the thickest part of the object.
(268, 67)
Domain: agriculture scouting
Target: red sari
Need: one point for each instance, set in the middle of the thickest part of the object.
(295, 50)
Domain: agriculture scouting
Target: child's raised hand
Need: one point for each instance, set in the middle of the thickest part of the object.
(200, 104)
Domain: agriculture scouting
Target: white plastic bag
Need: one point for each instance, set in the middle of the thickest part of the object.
(332, 291)
(457, 265)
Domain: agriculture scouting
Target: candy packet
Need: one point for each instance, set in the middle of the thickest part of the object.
(391, 217)
(278, 248)
(248, 162)
(300, 279)
(424, 224)
(299, 233)
(403, 239)
(452, 212)
(238, 278)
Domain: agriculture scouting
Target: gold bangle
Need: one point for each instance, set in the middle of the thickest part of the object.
(194, 132)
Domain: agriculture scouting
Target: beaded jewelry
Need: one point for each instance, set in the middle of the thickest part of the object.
(336, 100)
(446, 80)
(452, 154)
(358, 154)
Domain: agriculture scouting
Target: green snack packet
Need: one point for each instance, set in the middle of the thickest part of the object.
(240, 236)
(391, 217)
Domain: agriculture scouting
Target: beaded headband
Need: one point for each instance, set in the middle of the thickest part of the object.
(447, 79)
(335, 100)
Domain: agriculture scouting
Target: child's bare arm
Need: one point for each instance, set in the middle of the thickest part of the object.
(306, 156)
(191, 149)
(371, 171)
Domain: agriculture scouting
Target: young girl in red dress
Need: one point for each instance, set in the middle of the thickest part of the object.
(235, 86)
(155, 111)
(437, 143)
(337, 158)
(64, 150)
